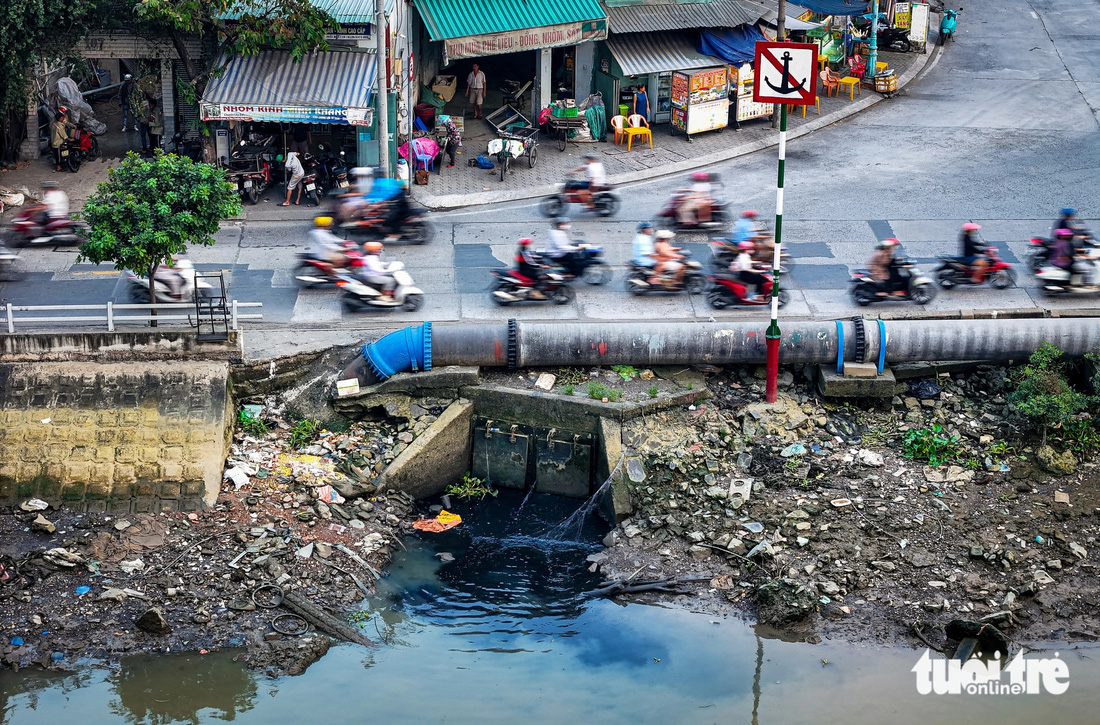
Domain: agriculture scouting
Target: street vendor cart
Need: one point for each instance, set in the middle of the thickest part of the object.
(699, 100)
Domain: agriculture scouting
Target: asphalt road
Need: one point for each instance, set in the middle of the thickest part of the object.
(1001, 129)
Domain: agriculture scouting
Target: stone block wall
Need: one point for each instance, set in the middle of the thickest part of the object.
(120, 437)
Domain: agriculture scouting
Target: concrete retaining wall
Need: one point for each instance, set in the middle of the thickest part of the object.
(118, 346)
(149, 436)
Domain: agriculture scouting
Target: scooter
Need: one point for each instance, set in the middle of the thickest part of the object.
(334, 169)
(138, 286)
(918, 286)
(587, 264)
(728, 290)
(312, 184)
(605, 201)
(255, 183)
(954, 271)
(948, 23)
(724, 251)
(28, 229)
(896, 39)
(415, 229)
(510, 286)
(314, 268)
(719, 214)
(694, 281)
(1039, 249)
(1081, 280)
(358, 294)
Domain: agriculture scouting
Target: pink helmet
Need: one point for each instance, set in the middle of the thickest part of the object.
(746, 245)
(971, 227)
(749, 213)
(700, 176)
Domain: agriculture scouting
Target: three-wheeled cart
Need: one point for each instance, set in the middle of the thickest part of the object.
(560, 127)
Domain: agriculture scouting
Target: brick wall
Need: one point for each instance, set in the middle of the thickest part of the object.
(141, 437)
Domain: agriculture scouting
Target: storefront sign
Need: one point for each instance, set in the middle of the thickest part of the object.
(287, 114)
(901, 15)
(918, 28)
(350, 31)
(514, 41)
(680, 82)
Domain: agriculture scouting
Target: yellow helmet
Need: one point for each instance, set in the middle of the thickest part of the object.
(323, 221)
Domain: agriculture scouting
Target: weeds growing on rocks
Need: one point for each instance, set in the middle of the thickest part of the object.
(931, 445)
(303, 432)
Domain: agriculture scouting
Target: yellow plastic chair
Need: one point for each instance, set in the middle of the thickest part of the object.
(618, 124)
(638, 126)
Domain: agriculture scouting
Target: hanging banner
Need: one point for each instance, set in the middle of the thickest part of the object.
(287, 114)
(918, 28)
(514, 41)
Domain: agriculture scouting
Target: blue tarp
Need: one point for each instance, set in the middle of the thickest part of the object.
(733, 45)
(836, 7)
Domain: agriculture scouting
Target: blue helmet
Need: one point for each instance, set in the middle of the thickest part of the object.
(642, 226)
(1068, 212)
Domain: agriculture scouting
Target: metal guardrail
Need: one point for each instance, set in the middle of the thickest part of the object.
(111, 317)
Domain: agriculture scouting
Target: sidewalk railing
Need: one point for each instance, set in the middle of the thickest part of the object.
(163, 313)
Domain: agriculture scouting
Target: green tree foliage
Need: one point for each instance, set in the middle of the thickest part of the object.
(236, 27)
(1043, 394)
(150, 209)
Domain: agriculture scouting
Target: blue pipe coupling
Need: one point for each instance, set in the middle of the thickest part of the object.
(403, 351)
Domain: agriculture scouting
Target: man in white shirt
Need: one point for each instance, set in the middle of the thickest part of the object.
(475, 89)
(55, 200)
(560, 245)
(297, 173)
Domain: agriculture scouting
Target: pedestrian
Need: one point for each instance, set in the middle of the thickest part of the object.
(641, 103)
(453, 141)
(126, 100)
(60, 132)
(301, 138)
(297, 173)
(143, 122)
(475, 89)
(156, 125)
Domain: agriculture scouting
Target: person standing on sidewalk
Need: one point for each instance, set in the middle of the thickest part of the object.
(60, 132)
(143, 121)
(156, 125)
(475, 89)
(126, 100)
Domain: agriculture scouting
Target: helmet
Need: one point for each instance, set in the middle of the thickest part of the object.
(746, 245)
(1068, 212)
(642, 226)
(590, 157)
(749, 213)
(561, 221)
(971, 227)
(279, 159)
(62, 109)
(373, 247)
(364, 171)
(700, 176)
(49, 184)
(888, 243)
(127, 77)
(666, 234)
(323, 221)
(525, 242)
(1064, 233)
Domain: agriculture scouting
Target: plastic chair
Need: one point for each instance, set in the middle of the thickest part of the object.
(857, 66)
(617, 124)
(638, 127)
(830, 81)
(421, 156)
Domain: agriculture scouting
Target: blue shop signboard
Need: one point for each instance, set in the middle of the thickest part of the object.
(286, 114)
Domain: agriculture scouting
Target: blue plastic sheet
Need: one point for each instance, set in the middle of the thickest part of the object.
(733, 45)
(835, 7)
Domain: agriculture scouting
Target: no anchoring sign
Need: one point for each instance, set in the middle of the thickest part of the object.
(786, 73)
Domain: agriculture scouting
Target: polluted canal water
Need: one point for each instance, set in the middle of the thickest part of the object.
(502, 633)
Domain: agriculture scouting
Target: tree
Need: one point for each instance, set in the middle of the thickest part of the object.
(149, 210)
(235, 27)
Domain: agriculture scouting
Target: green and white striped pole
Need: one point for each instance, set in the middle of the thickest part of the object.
(772, 335)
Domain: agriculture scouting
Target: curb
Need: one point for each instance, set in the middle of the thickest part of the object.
(455, 201)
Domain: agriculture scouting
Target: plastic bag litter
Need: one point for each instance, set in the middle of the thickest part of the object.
(80, 113)
(11, 197)
(924, 389)
(445, 520)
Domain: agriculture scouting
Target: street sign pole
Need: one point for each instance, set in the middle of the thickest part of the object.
(771, 389)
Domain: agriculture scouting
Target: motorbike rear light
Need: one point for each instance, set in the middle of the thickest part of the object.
(341, 283)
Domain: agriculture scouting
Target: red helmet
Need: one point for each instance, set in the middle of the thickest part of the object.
(525, 242)
(62, 109)
(749, 213)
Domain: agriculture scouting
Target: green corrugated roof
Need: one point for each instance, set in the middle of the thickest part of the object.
(458, 18)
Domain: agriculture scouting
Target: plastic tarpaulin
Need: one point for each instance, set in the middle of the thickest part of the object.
(835, 7)
(736, 45)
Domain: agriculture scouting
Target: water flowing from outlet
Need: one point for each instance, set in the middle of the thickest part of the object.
(570, 529)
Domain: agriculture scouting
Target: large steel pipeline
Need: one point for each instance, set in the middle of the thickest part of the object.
(535, 344)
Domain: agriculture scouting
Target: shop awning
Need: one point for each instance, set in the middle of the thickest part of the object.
(332, 87)
(641, 53)
(647, 16)
(471, 28)
(734, 45)
(835, 7)
(343, 11)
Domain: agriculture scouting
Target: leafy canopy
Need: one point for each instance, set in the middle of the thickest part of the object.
(1043, 394)
(150, 209)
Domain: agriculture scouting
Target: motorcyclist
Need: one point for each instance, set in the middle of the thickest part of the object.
(1062, 252)
(884, 268)
(387, 197)
(55, 200)
(326, 244)
(375, 272)
(744, 266)
(1067, 220)
(595, 181)
(170, 275)
(973, 251)
(668, 259)
(745, 228)
(645, 253)
(529, 265)
(560, 249)
(696, 205)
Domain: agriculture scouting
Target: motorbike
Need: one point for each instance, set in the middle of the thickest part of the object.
(694, 282)
(724, 251)
(954, 271)
(30, 226)
(918, 286)
(138, 286)
(510, 286)
(896, 39)
(605, 200)
(719, 214)
(415, 229)
(948, 23)
(83, 146)
(357, 294)
(587, 264)
(1039, 249)
(315, 269)
(190, 148)
(311, 184)
(333, 166)
(728, 290)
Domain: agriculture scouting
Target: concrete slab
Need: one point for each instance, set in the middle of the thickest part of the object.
(436, 458)
(833, 385)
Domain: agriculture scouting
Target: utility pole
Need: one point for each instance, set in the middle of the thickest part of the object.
(872, 56)
(780, 34)
(381, 91)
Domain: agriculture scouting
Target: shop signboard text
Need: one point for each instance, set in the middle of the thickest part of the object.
(286, 114)
(514, 41)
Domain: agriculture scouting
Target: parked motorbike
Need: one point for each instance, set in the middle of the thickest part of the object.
(510, 286)
(83, 146)
(694, 282)
(896, 39)
(415, 229)
(916, 284)
(333, 166)
(358, 294)
(30, 226)
(311, 184)
(719, 214)
(314, 268)
(605, 200)
(138, 286)
(948, 23)
(728, 290)
(954, 271)
(587, 265)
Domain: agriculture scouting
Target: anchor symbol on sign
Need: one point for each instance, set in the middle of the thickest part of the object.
(785, 87)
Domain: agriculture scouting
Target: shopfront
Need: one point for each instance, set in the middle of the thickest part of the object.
(267, 93)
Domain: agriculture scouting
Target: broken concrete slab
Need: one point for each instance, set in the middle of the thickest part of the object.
(833, 385)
